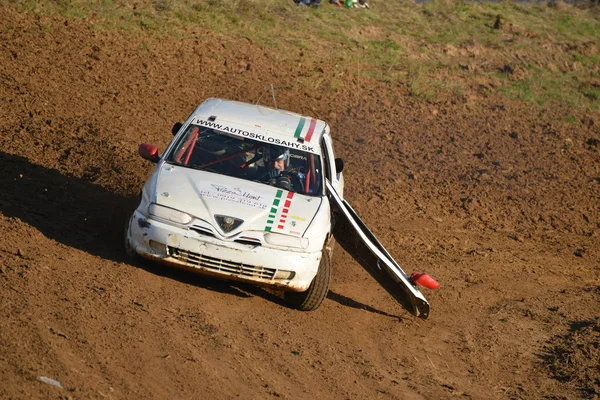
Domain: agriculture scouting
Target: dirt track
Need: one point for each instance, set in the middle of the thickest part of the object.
(497, 201)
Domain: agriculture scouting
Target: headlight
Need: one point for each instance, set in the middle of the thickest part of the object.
(277, 239)
(169, 214)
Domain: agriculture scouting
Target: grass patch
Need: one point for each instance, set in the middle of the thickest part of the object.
(571, 120)
(525, 90)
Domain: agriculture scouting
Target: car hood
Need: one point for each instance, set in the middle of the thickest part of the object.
(262, 207)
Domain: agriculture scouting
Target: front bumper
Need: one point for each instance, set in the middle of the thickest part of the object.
(257, 264)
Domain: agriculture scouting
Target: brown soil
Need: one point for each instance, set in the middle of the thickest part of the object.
(497, 200)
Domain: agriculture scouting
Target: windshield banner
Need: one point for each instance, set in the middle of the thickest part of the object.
(256, 136)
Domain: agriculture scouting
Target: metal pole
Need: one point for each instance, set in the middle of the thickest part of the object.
(273, 93)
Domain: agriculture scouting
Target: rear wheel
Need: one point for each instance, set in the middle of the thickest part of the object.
(312, 298)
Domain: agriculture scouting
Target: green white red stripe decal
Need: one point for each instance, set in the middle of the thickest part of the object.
(299, 127)
(286, 210)
(275, 209)
(309, 131)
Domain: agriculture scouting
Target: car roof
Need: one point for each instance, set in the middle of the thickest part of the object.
(286, 126)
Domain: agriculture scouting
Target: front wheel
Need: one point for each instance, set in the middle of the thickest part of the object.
(129, 249)
(130, 211)
(312, 298)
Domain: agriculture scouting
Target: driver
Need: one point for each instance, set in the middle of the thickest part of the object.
(279, 172)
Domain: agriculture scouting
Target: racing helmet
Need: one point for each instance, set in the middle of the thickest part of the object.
(279, 153)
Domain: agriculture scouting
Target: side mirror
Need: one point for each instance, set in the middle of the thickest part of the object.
(176, 127)
(339, 165)
(149, 152)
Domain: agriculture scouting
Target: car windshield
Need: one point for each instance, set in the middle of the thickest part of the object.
(211, 150)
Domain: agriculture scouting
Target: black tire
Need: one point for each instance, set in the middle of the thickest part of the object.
(317, 291)
(129, 250)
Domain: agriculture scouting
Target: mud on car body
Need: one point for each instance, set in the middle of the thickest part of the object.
(215, 204)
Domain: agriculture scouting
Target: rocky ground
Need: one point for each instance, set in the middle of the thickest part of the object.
(497, 199)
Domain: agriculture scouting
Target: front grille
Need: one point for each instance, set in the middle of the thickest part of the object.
(218, 265)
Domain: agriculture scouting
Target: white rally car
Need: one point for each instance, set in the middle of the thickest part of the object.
(247, 192)
(216, 201)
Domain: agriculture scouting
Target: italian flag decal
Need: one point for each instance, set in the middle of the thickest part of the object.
(275, 209)
(305, 131)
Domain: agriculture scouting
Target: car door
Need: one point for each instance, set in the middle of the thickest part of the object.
(356, 238)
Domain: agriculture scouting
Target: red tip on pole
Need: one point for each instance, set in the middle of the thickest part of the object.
(425, 281)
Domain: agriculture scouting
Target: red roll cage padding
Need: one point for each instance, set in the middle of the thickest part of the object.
(190, 150)
(187, 147)
(229, 157)
(307, 183)
(310, 174)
